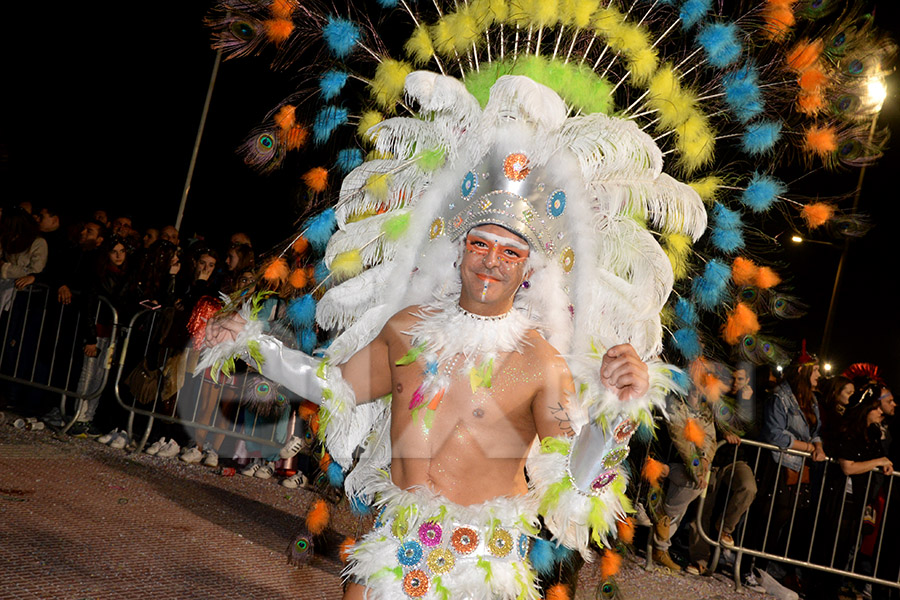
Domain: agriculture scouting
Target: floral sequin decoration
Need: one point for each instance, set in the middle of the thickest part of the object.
(603, 480)
(515, 167)
(615, 457)
(567, 259)
(440, 561)
(437, 228)
(464, 540)
(469, 185)
(409, 554)
(524, 545)
(624, 430)
(415, 584)
(430, 534)
(501, 543)
(556, 204)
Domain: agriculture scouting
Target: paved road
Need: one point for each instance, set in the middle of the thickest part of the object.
(79, 521)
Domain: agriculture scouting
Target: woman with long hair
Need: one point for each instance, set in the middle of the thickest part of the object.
(23, 252)
(837, 395)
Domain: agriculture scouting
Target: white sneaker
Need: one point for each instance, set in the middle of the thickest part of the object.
(752, 583)
(120, 441)
(266, 471)
(296, 480)
(773, 588)
(105, 439)
(641, 517)
(155, 446)
(169, 450)
(250, 470)
(191, 455)
(211, 459)
(292, 447)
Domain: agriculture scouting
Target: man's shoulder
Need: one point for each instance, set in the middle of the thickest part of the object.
(538, 349)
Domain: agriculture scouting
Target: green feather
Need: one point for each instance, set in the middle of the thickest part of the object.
(255, 354)
(411, 356)
(431, 160)
(395, 227)
(486, 565)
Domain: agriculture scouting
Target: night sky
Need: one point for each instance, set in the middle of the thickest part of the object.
(101, 110)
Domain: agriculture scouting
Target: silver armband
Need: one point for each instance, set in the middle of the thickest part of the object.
(291, 369)
(597, 452)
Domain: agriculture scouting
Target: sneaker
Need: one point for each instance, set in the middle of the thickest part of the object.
(726, 557)
(54, 418)
(266, 471)
(292, 447)
(155, 446)
(750, 582)
(773, 588)
(296, 480)
(120, 441)
(867, 591)
(191, 455)
(84, 429)
(107, 438)
(251, 469)
(696, 569)
(726, 540)
(169, 450)
(641, 517)
(211, 459)
(662, 558)
(663, 527)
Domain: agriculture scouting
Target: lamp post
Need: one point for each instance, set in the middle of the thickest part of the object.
(876, 92)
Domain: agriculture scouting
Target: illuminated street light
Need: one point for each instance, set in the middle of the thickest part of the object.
(796, 239)
(876, 92)
(827, 367)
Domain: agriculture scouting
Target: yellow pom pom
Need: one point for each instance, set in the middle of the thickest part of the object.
(606, 21)
(643, 65)
(419, 47)
(387, 85)
(583, 11)
(707, 188)
(377, 185)
(677, 247)
(666, 96)
(442, 37)
(696, 141)
(346, 265)
(545, 13)
(464, 30)
(369, 119)
(499, 9)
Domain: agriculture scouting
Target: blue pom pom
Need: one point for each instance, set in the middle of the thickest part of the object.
(562, 553)
(341, 36)
(358, 507)
(742, 93)
(728, 241)
(693, 11)
(388, 3)
(720, 41)
(335, 475)
(688, 343)
(319, 228)
(327, 120)
(302, 311)
(686, 312)
(542, 557)
(321, 272)
(331, 84)
(644, 434)
(762, 192)
(348, 159)
(710, 288)
(761, 137)
(726, 218)
(308, 340)
(681, 379)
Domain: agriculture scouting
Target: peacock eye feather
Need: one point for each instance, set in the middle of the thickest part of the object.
(243, 30)
(265, 141)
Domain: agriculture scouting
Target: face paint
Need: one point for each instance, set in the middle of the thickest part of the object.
(484, 289)
(508, 250)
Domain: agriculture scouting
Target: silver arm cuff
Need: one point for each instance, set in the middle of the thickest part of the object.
(596, 451)
(290, 368)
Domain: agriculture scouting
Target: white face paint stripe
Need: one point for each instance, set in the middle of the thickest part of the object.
(499, 239)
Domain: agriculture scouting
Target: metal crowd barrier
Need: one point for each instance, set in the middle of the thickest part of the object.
(198, 403)
(835, 538)
(43, 345)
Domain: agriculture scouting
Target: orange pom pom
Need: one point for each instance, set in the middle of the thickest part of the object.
(821, 141)
(282, 9)
(314, 423)
(812, 79)
(278, 30)
(324, 462)
(346, 547)
(740, 322)
(317, 517)
(694, 433)
(804, 55)
(817, 214)
(610, 564)
(307, 410)
(316, 179)
(811, 103)
(743, 271)
(296, 137)
(652, 471)
(779, 20)
(767, 278)
(560, 591)
(286, 117)
(277, 271)
(626, 530)
(298, 279)
(300, 245)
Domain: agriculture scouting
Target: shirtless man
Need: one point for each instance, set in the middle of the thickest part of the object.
(476, 449)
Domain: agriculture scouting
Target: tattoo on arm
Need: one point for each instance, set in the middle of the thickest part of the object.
(563, 421)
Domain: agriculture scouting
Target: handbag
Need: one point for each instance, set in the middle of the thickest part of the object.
(143, 382)
(792, 477)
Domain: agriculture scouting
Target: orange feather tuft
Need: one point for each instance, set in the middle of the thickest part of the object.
(694, 433)
(286, 117)
(804, 55)
(626, 530)
(345, 548)
(314, 424)
(740, 322)
(278, 30)
(282, 9)
(779, 20)
(820, 140)
(296, 137)
(277, 271)
(300, 245)
(743, 271)
(811, 103)
(560, 591)
(610, 564)
(652, 471)
(812, 79)
(324, 462)
(307, 410)
(298, 279)
(317, 517)
(712, 387)
(767, 278)
(817, 214)
(316, 179)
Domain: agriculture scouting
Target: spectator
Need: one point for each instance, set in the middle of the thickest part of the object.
(82, 263)
(100, 216)
(155, 277)
(150, 236)
(838, 392)
(238, 260)
(49, 225)
(169, 234)
(239, 238)
(22, 253)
